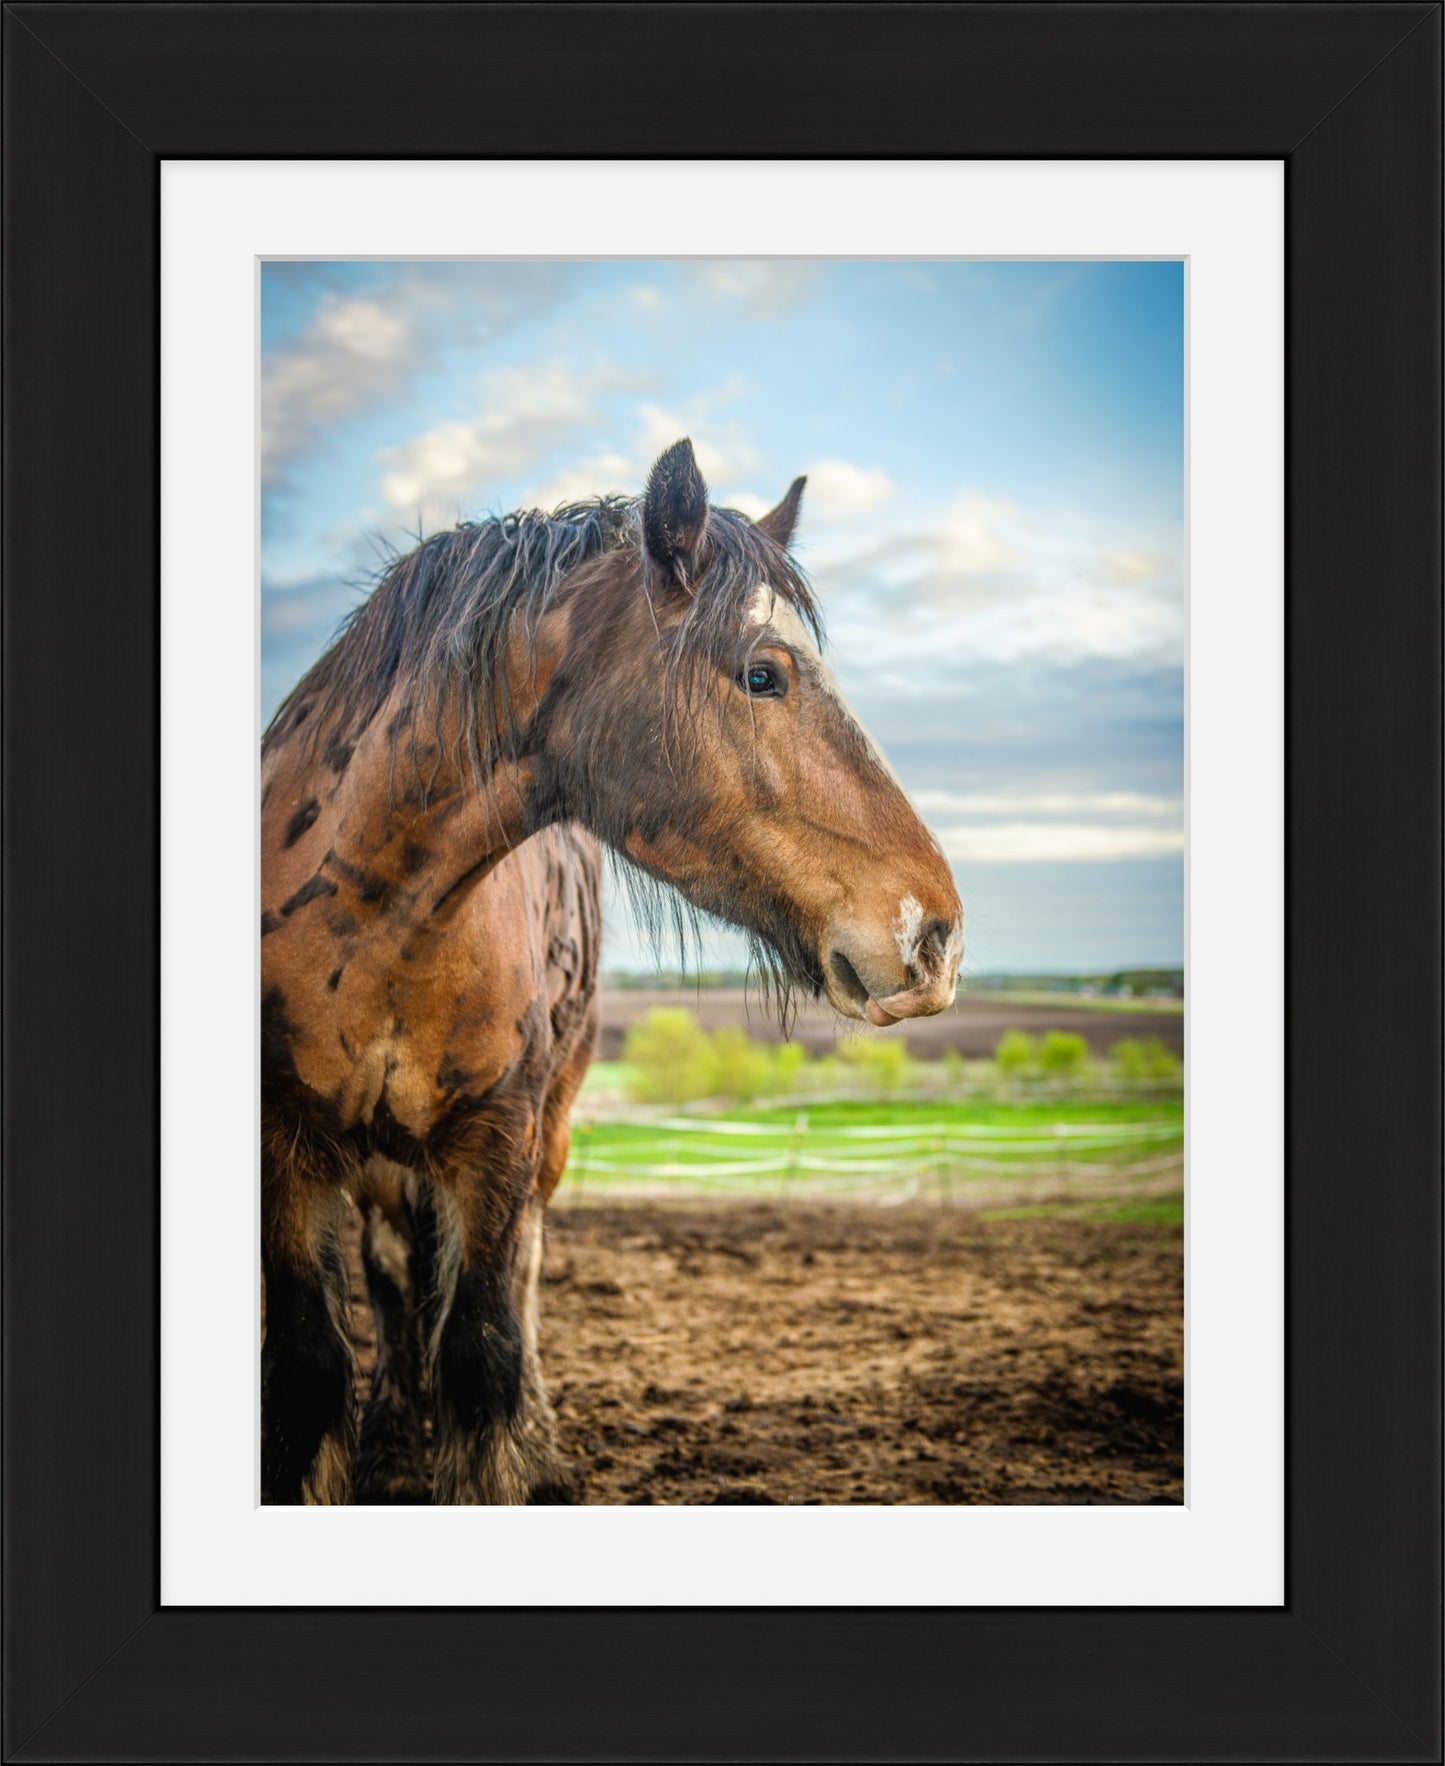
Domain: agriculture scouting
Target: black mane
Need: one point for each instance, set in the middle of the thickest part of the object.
(438, 619)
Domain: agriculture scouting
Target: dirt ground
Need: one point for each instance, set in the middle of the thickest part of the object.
(972, 1026)
(838, 1353)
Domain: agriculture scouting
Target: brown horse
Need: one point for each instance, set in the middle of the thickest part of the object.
(645, 674)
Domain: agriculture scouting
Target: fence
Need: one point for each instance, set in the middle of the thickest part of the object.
(972, 1162)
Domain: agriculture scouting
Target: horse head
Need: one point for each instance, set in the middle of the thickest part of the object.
(694, 725)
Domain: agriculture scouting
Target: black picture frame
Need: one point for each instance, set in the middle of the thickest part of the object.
(1348, 96)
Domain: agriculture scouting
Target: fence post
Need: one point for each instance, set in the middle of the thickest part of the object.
(945, 1178)
(795, 1145)
(579, 1169)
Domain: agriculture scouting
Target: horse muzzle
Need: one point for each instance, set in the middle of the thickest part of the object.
(918, 1002)
(912, 972)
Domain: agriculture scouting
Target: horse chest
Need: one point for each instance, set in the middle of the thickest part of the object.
(402, 1064)
(384, 1085)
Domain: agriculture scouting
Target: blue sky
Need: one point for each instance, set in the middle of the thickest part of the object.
(994, 520)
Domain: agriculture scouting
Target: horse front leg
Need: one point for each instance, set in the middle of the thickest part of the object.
(307, 1373)
(549, 1478)
(493, 1431)
(475, 1355)
(553, 1480)
(391, 1459)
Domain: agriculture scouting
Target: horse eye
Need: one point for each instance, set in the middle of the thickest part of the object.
(759, 680)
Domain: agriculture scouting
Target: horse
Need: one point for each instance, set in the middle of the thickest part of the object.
(642, 675)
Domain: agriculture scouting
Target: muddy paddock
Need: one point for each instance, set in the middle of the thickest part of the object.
(759, 1353)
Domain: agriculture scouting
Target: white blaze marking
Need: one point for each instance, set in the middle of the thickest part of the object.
(770, 608)
(910, 923)
(761, 610)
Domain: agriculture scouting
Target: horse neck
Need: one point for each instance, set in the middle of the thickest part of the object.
(414, 823)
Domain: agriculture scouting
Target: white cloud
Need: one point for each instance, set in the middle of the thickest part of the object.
(759, 288)
(599, 475)
(1078, 623)
(1041, 826)
(1007, 843)
(972, 555)
(724, 453)
(971, 541)
(750, 503)
(908, 637)
(1129, 566)
(840, 491)
(362, 329)
(1046, 803)
(444, 471)
(363, 349)
(353, 352)
(990, 582)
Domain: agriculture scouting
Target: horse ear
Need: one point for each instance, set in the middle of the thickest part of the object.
(674, 511)
(778, 524)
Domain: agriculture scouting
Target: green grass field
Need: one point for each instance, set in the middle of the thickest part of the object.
(878, 1144)
(1025, 1113)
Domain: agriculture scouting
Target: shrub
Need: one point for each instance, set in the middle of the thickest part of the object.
(1063, 1054)
(1163, 1063)
(741, 1068)
(1132, 1059)
(1016, 1053)
(789, 1061)
(952, 1070)
(1127, 1058)
(672, 1056)
(880, 1063)
(825, 1074)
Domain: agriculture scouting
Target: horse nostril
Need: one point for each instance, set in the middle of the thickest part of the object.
(936, 936)
(847, 977)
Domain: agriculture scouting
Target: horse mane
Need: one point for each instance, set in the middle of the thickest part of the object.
(436, 624)
(438, 619)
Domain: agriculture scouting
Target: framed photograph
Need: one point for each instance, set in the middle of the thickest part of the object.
(948, 498)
